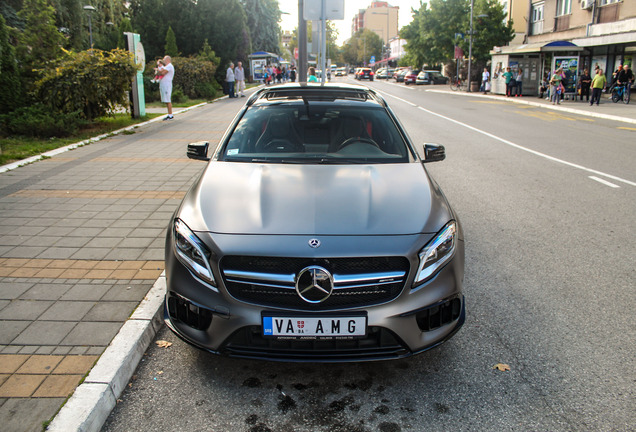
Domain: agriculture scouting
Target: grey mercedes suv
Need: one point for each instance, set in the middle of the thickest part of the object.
(315, 233)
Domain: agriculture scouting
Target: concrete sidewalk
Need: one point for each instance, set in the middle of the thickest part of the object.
(82, 239)
(606, 110)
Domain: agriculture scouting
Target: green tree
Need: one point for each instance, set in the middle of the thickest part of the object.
(40, 42)
(490, 29)
(432, 34)
(9, 76)
(263, 17)
(171, 44)
(362, 45)
(208, 54)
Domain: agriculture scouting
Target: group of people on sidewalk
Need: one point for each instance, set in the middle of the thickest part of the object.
(235, 77)
(623, 76)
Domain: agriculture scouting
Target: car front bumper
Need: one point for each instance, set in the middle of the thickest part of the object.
(411, 322)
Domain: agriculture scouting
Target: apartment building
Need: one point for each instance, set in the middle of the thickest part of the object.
(380, 17)
(576, 34)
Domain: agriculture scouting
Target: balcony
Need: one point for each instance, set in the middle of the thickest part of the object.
(609, 13)
(562, 23)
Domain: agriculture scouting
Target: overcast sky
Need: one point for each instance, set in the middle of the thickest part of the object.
(290, 22)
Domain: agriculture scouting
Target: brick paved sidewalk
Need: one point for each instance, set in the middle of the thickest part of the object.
(81, 242)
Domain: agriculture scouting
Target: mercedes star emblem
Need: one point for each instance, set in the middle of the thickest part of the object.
(314, 243)
(314, 284)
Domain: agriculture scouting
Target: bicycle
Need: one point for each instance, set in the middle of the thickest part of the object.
(458, 84)
(619, 92)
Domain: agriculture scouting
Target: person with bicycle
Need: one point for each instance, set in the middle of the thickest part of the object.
(625, 78)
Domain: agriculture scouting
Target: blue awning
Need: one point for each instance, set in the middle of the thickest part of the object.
(537, 48)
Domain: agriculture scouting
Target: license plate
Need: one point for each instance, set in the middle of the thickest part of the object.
(315, 327)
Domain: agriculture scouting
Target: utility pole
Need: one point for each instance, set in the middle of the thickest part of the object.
(470, 45)
(302, 43)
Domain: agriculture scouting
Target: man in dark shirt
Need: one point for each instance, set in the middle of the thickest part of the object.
(626, 78)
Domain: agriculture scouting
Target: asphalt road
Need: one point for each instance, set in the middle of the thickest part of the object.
(550, 278)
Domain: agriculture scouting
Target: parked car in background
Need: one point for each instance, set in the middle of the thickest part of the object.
(431, 77)
(365, 73)
(396, 72)
(315, 233)
(384, 73)
(410, 76)
(399, 77)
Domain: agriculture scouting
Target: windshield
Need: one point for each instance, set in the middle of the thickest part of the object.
(316, 133)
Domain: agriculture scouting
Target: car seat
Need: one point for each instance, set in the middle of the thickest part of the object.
(279, 136)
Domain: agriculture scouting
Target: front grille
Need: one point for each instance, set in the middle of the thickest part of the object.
(379, 344)
(358, 282)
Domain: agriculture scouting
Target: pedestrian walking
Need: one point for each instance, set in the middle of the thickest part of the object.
(165, 85)
(598, 84)
(519, 83)
(586, 82)
(239, 76)
(230, 79)
(292, 74)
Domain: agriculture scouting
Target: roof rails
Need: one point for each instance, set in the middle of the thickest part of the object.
(315, 92)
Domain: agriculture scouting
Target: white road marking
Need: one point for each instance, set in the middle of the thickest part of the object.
(605, 182)
(517, 146)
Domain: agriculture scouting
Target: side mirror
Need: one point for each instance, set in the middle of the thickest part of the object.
(199, 150)
(434, 153)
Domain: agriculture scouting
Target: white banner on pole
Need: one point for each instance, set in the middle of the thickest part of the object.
(334, 10)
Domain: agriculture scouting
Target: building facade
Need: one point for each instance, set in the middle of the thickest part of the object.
(380, 17)
(577, 34)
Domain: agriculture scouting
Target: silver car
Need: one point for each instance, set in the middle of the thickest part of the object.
(315, 233)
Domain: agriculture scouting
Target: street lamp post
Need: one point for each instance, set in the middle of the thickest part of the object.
(90, 9)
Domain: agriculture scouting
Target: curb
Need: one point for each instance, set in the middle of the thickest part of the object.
(92, 402)
(541, 105)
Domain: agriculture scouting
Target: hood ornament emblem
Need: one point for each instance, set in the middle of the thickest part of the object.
(314, 243)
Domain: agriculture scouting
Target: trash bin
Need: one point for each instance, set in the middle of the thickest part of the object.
(474, 86)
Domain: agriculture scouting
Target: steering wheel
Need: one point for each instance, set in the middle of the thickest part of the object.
(281, 146)
(357, 139)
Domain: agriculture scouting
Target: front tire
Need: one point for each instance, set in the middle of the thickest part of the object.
(615, 97)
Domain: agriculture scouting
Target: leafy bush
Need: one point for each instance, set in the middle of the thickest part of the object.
(39, 121)
(178, 96)
(194, 76)
(205, 91)
(92, 82)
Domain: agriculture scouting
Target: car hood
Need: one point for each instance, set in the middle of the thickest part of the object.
(279, 199)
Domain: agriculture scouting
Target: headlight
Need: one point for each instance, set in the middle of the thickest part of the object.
(437, 253)
(191, 252)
